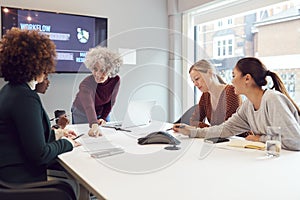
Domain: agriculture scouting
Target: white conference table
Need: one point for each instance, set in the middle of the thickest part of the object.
(197, 171)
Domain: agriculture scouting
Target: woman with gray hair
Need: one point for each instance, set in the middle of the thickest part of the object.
(97, 92)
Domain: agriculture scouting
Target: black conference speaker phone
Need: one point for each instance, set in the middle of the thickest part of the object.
(160, 137)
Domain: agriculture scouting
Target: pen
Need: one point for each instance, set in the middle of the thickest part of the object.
(78, 136)
(177, 126)
(116, 128)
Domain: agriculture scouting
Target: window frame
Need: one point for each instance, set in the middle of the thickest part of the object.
(218, 9)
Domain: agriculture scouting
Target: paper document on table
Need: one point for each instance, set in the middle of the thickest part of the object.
(246, 144)
(92, 144)
(107, 152)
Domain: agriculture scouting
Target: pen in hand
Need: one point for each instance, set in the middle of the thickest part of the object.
(78, 136)
(177, 126)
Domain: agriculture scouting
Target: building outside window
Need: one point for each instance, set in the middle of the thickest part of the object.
(270, 33)
(223, 46)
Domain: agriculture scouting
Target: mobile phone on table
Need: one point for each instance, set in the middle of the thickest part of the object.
(216, 140)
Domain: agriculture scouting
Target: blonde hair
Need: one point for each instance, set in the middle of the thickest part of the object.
(109, 60)
(203, 66)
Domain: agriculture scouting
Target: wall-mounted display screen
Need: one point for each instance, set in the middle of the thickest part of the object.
(73, 35)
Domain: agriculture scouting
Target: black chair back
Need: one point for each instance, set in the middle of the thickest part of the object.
(185, 118)
(46, 190)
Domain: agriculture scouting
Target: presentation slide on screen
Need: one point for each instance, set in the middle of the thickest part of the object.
(73, 35)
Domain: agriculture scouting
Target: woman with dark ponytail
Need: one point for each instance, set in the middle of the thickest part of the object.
(262, 108)
(258, 71)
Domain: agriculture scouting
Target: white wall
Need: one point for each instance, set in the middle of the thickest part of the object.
(184, 5)
(133, 24)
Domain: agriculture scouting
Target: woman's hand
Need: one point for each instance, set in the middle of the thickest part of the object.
(59, 133)
(183, 129)
(254, 138)
(73, 142)
(76, 144)
(63, 121)
(69, 133)
(94, 131)
(101, 122)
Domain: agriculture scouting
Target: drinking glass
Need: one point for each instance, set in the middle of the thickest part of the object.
(273, 143)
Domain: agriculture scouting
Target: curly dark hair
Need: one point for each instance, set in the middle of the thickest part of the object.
(26, 54)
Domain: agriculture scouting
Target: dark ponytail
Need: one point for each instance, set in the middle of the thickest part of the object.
(279, 86)
(258, 71)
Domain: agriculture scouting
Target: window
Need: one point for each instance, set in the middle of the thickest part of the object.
(226, 39)
(224, 23)
(223, 46)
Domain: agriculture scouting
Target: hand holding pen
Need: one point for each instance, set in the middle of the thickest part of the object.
(72, 139)
(76, 144)
(176, 126)
(78, 136)
(71, 134)
(183, 129)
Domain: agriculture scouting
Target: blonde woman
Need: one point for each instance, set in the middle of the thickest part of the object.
(218, 100)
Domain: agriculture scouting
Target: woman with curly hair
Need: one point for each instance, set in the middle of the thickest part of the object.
(27, 143)
(97, 92)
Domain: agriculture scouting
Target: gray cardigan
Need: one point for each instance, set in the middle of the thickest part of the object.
(275, 110)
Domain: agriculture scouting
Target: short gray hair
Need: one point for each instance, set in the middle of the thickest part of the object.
(109, 60)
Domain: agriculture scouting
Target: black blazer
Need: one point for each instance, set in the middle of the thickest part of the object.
(27, 143)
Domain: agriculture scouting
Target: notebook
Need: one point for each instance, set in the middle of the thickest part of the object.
(246, 144)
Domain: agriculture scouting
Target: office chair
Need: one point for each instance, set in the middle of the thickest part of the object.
(185, 118)
(45, 190)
